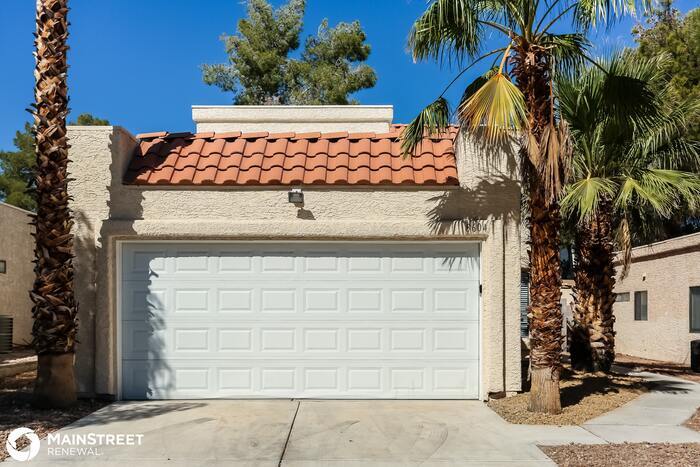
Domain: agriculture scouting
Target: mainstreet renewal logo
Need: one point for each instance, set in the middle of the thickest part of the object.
(68, 444)
(11, 444)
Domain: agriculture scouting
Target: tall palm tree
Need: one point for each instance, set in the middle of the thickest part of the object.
(628, 144)
(495, 108)
(55, 309)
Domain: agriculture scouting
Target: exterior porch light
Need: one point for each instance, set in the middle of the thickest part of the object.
(296, 196)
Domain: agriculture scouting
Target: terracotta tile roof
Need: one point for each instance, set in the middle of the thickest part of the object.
(262, 158)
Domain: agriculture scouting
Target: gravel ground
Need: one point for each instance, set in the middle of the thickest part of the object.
(16, 411)
(665, 368)
(625, 455)
(583, 397)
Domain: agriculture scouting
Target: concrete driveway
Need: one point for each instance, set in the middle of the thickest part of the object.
(349, 433)
(303, 433)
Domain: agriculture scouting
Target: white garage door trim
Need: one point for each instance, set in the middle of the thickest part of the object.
(120, 244)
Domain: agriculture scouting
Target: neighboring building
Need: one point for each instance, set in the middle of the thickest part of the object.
(200, 273)
(16, 270)
(657, 312)
(567, 299)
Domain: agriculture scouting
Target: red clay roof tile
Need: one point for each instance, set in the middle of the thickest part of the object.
(310, 135)
(227, 176)
(181, 134)
(262, 158)
(205, 176)
(206, 135)
(206, 162)
(214, 147)
(287, 135)
(336, 135)
(228, 134)
(366, 135)
(255, 135)
(161, 176)
(157, 134)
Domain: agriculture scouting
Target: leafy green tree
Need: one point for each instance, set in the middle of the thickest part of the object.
(16, 167)
(256, 72)
(666, 31)
(260, 70)
(628, 145)
(496, 106)
(89, 120)
(326, 74)
(16, 171)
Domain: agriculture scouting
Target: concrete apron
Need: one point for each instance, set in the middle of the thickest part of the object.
(294, 433)
(349, 433)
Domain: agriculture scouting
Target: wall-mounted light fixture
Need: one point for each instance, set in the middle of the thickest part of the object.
(296, 196)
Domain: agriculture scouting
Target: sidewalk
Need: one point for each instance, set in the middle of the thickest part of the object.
(654, 417)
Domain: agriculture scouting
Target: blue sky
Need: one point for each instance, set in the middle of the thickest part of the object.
(136, 62)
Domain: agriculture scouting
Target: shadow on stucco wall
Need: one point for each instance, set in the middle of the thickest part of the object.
(490, 186)
(143, 328)
(84, 264)
(490, 198)
(500, 154)
(124, 206)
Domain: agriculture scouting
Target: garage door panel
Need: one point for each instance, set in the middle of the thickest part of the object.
(346, 341)
(328, 297)
(300, 320)
(268, 378)
(191, 260)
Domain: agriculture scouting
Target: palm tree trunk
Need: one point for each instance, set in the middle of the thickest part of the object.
(545, 308)
(592, 334)
(531, 67)
(55, 309)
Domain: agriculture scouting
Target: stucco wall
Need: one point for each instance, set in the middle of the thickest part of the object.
(666, 270)
(299, 118)
(17, 249)
(107, 211)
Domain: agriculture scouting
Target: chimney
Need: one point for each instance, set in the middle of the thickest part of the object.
(298, 118)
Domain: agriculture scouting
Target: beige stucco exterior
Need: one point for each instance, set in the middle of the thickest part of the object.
(108, 211)
(666, 270)
(17, 250)
(298, 118)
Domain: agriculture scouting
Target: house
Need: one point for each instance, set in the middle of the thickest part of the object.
(657, 310)
(16, 270)
(294, 252)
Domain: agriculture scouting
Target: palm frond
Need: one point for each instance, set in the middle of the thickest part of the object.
(582, 198)
(496, 108)
(661, 137)
(628, 95)
(661, 190)
(623, 238)
(447, 29)
(679, 154)
(555, 158)
(475, 85)
(588, 13)
(569, 51)
(433, 119)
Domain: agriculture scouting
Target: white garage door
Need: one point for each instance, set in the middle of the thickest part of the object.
(341, 320)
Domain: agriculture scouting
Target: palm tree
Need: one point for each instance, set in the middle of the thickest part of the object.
(55, 309)
(495, 108)
(627, 143)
